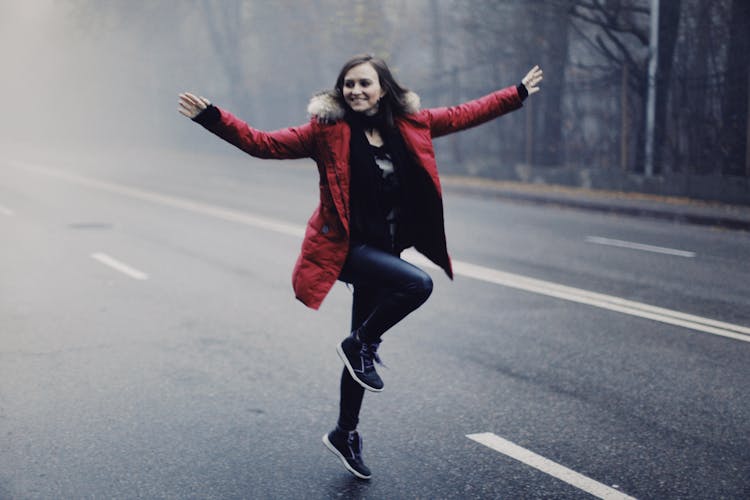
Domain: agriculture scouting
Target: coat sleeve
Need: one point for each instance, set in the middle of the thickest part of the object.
(284, 144)
(469, 114)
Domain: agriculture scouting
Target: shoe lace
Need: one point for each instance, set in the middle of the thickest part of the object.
(369, 353)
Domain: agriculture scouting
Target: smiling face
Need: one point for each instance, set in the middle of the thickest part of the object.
(361, 89)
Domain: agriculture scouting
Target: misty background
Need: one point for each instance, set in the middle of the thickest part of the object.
(102, 76)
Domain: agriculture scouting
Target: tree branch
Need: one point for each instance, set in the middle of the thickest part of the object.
(608, 53)
(598, 6)
(585, 37)
(620, 45)
(612, 22)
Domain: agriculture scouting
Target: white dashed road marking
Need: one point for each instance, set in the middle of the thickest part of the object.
(547, 466)
(119, 266)
(639, 246)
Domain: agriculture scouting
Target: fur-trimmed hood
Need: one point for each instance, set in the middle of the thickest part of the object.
(326, 107)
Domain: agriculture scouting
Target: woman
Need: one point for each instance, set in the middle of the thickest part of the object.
(379, 194)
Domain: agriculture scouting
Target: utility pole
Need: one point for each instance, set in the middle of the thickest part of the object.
(747, 121)
(653, 65)
(624, 119)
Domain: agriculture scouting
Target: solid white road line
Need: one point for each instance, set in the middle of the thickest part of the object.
(581, 296)
(5, 211)
(638, 246)
(547, 466)
(172, 201)
(466, 269)
(119, 266)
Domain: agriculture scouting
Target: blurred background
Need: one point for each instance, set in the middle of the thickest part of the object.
(99, 74)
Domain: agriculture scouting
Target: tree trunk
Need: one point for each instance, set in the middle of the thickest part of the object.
(624, 122)
(669, 23)
(549, 148)
(735, 101)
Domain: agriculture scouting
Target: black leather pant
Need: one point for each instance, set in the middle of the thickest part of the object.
(386, 290)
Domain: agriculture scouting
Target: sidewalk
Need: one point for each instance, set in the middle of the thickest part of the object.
(684, 210)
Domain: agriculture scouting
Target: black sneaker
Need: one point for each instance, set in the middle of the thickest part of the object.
(358, 358)
(348, 447)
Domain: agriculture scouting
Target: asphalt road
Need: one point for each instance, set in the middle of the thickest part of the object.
(203, 377)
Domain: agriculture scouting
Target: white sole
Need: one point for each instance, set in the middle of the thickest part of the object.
(349, 367)
(336, 452)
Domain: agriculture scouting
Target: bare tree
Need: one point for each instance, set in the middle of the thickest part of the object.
(620, 37)
(736, 92)
(553, 27)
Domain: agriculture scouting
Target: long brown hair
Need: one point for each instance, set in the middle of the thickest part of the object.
(392, 103)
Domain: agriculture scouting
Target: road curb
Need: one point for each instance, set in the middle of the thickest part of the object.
(680, 210)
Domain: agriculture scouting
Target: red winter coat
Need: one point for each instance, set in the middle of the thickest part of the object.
(325, 139)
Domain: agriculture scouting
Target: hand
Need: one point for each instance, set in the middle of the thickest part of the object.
(532, 79)
(191, 105)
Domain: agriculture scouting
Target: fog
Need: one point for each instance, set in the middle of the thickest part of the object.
(96, 74)
(77, 75)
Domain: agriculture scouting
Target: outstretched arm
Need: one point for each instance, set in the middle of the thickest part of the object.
(469, 114)
(289, 143)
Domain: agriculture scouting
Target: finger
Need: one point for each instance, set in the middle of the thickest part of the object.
(192, 99)
(195, 101)
(185, 104)
(188, 110)
(185, 100)
(200, 103)
(531, 76)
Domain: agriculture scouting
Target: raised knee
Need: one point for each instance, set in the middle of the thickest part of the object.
(425, 287)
